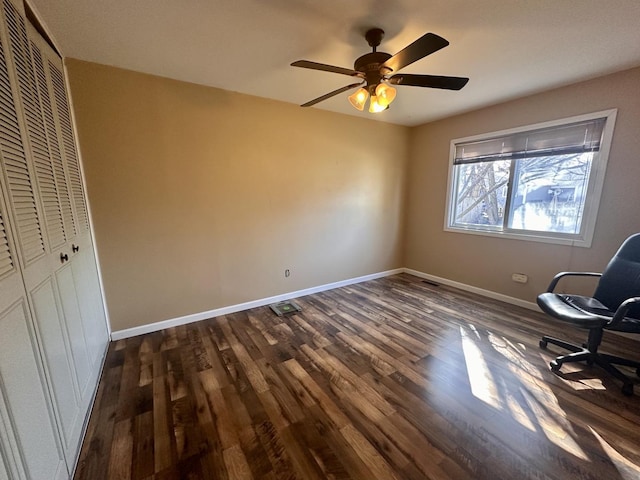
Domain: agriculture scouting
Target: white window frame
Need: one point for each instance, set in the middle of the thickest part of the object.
(592, 198)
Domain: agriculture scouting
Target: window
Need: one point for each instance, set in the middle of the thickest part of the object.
(540, 182)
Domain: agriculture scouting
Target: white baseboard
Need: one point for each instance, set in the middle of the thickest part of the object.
(470, 288)
(195, 317)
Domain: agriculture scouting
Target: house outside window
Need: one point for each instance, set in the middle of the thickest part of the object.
(540, 182)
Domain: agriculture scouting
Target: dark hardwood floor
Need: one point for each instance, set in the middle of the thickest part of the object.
(389, 379)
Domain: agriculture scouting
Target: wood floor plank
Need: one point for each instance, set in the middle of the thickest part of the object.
(236, 463)
(121, 454)
(393, 378)
(163, 446)
(142, 442)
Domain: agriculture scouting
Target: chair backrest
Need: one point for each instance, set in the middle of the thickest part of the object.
(621, 279)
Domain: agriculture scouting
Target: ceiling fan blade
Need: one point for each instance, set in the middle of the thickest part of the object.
(325, 68)
(331, 94)
(432, 81)
(425, 45)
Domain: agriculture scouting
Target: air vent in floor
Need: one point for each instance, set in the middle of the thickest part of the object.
(285, 308)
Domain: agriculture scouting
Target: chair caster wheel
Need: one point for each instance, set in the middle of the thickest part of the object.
(627, 389)
(555, 366)
(543, 345)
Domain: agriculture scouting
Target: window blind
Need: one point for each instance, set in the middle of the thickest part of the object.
(572, 138)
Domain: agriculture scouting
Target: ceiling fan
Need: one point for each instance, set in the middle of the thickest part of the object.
(378, 70)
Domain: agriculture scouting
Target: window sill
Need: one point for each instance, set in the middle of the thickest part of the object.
(541, 237)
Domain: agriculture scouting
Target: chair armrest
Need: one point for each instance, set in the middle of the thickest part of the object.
(557, 278)
(622, 310)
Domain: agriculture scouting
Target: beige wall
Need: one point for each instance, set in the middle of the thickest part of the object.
(488, 262)
(201, 198)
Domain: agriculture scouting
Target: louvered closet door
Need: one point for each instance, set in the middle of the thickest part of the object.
(45, 128)
(79, 237)
(29, 442)
(38, 212)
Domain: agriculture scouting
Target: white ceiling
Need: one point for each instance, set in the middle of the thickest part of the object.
(508, 48)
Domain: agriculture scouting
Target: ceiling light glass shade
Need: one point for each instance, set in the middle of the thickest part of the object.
(375, 106)
(385, 94)
(359, 98)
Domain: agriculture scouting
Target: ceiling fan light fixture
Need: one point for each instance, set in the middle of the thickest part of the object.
(375, 106)
(359, 98)
(385, 94)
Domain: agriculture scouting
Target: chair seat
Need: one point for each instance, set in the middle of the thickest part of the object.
(584, 312)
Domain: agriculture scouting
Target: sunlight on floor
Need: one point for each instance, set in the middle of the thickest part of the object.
(481, 380)
(585, 384)
(627, 469)
(558, 430)
(533, 408)
(519, 414)
(549, 415)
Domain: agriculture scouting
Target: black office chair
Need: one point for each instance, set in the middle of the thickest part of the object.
(615, 305)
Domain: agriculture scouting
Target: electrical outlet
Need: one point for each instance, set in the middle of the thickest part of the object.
(519, 278)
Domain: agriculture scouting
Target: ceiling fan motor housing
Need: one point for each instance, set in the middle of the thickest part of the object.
(369, 65)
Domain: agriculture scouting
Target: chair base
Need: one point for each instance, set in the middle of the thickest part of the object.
(589, 353)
